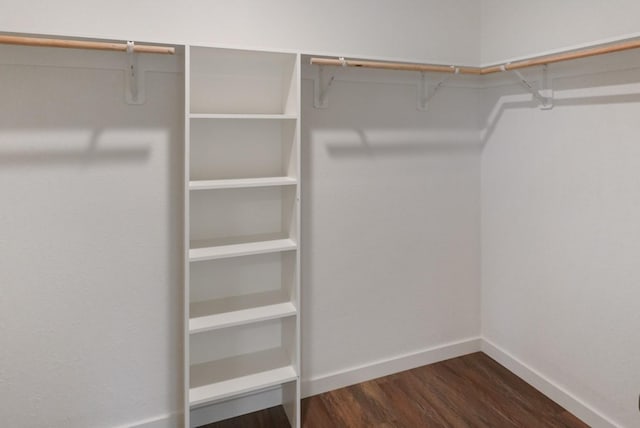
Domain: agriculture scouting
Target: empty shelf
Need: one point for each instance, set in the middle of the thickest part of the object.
(237, 250)
(204, 316)
(241, 116)
(218, 380)
(241, 183)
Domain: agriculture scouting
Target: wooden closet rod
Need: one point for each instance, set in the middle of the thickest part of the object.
(79, 44)
(565, 56)
(394, 65)
(550, 59)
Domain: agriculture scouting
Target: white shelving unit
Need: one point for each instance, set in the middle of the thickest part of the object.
(242, 229)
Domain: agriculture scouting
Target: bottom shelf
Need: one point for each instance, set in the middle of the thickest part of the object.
(275, 416)
(222, 379)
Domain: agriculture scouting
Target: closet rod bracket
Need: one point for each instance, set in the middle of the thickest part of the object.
(322, 85)
(544, 95)
(424, 95)
(134, 78)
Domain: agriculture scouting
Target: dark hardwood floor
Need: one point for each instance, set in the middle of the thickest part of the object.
(469, 391)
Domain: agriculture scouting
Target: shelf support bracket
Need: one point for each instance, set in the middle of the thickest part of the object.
(322, 86)
(424, 96)
(544, 96)
(134, 78)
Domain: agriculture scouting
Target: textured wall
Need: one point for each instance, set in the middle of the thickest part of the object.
(390, 222)
(560, 236)
(521, 28)
(90, 262)
(411, 30)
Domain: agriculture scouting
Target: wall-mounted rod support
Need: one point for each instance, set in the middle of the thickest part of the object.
(531, 62)
(322, 85)
(424, 96)
(546, 102)
(80, 44)
(134, 82)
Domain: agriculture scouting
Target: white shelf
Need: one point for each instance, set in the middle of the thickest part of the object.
(230, 377)
(241, 116)
(239, 310)
(203, 252)
(240, 183)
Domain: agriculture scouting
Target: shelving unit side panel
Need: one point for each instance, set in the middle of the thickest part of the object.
(290, 148)
(291, 88)
(290, 213)
(290, 403)
(289, 276)
(295, 415)
(186, 239)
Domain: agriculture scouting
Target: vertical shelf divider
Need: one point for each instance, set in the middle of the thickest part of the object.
(186, 241)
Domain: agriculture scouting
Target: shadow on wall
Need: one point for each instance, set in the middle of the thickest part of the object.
(571, 87)
(399, 143)
(70, 147)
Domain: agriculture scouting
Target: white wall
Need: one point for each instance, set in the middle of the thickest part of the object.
(90, 257)
(390, 226)
(513, 29)
(412, 30)
(560, 235)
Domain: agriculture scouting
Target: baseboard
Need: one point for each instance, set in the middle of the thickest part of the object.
(165, 421)
(354, 375)
(393, 365)
(546, 386)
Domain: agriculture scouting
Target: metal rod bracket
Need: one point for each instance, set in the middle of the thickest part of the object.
(544, 96)
(424, 96)
(322, 85)
(134, 78)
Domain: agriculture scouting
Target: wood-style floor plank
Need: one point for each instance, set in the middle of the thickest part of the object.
(469, 391)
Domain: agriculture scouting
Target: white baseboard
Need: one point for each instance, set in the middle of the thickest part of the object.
(393, 365)
(353, 375)
(546, 386)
